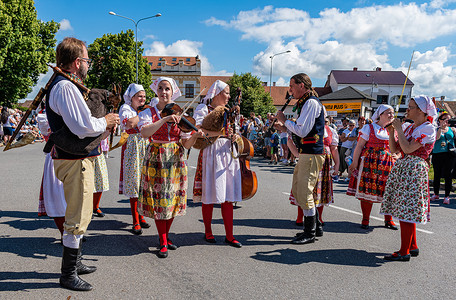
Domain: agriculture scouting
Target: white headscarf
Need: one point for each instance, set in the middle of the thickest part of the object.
(131, 91)
(176, 91)
(379, 111)
(428, 107)
(214, 90)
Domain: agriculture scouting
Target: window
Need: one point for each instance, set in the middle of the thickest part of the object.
(188, 59)
(150, 64)
(382, 99)
(174, 59)
(159, 64)
(189, 91)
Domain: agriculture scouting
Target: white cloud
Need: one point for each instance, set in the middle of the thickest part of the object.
(361, 37)
(65, 25)
(318, 59)
(430, 74)
(184, 48)
(400, 24)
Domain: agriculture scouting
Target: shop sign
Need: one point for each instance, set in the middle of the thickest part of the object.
(342, 107)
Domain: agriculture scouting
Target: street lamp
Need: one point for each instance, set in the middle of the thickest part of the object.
(270, 73)
(136, 34)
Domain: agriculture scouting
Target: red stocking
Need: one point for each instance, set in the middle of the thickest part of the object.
(59, 222)
(300, 217)
(207, 219)
(413, 244)
(96, 200)
(168, 226)
(134, 210)
(320, 212)
(161, 228)
(407, 231)
(227, 215)
(366, 208)
(389, 220)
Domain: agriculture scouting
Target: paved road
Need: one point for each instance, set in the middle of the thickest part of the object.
(346, 263)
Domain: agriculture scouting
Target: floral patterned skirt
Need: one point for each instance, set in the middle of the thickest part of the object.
(323, 191)
(407, 191)
(163, 190)
(101, 174)
(368, 184)
(132, 162)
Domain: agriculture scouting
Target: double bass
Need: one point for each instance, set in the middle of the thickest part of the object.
(245, 153)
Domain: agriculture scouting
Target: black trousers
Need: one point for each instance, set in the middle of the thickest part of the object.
(443, 165)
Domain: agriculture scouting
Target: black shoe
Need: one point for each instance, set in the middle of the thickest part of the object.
(210, 240)
(135, 230)
(319, 231)
(390, 226)
(415, 252)
(69, 278)
(308, 236)
(98, 213)
(397, 257)
(144, 224)
(163, 254)
(82, 269)
(363, 226)
(302, 238)
(233, 243)
(171, 246)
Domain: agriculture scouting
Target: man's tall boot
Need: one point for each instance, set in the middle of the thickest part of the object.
(69, 278)
(319, 228)
(80, 267)
(308, 236)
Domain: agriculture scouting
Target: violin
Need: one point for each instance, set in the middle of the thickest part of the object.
(186, 123)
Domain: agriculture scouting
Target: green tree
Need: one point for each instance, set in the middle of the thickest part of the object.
(114, 61)
(26, 45)
(254, 97)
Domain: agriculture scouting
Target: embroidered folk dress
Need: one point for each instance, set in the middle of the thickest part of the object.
(163, 188)
(218, 174)
(407, 189)
(132, 155)
(368, 183)
(323, 191)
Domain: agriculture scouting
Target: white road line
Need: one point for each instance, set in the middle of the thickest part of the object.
(360, 214)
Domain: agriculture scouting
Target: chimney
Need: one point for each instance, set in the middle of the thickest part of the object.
(274, 83)
(265, 83)
(378, 69)
(355, 69)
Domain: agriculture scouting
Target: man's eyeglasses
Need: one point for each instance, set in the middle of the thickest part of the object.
(87, 60)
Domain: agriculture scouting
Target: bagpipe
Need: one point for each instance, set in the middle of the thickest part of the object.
(99, 101)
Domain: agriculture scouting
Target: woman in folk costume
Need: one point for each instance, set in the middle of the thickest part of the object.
(52, 199)
(407, 189)
(163, 189)
(218, 174)
(372, 163)
(323, 191)
(132, 155)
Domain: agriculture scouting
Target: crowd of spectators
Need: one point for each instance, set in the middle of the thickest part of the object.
(9, 120)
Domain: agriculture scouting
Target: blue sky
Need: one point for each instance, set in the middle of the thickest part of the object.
(240, 36)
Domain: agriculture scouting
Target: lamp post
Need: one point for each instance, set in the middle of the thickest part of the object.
(270, 72)
(136, 34)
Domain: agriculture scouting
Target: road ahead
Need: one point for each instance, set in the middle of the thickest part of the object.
(346, 263)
